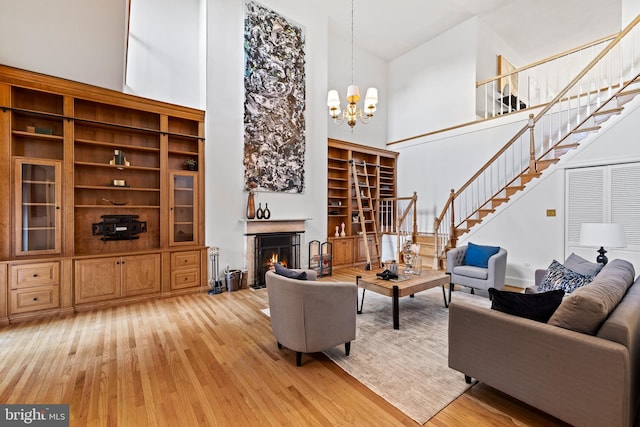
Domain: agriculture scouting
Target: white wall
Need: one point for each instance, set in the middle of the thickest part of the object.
(167, 51)
(433, 86)
(225, 198)
(370, 71)
(630, 9)
(76, 40)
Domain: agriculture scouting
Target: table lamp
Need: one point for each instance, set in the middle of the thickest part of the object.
(597, 234)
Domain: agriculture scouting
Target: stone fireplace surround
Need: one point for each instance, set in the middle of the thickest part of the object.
(264, 226)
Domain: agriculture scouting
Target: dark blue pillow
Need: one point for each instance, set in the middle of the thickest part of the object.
(292, 274)
(478, 255)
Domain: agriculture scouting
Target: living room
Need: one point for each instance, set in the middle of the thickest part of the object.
(225, 204)
(91, 51)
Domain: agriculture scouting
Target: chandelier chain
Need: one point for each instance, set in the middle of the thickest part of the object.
(353, 61)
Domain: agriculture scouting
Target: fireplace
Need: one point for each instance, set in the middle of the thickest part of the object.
(269, 248)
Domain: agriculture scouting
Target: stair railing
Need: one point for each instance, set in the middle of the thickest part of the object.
(534, 84)
(398, 216)
(571, 113)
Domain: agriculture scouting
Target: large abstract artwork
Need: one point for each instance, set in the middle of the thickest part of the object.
(274, 83)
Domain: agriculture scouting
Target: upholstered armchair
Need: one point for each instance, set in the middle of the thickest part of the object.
(309, 316)
(479, 273)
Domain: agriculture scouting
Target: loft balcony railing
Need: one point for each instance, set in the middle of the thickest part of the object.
(534, 84)
(594, 93)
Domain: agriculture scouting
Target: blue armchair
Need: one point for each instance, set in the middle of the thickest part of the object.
(474, 277)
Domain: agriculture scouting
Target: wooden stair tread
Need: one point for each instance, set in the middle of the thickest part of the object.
(628, 92)
(511, 190)
(615, 110)
(497, 201)
(587, 129)
(569, 145)
(527, 177)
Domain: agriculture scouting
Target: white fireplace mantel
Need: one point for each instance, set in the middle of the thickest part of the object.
(255, 226)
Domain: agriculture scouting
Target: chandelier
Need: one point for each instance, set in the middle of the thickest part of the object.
(352, 112)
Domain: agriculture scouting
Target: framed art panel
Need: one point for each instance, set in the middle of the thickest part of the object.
(274, 107)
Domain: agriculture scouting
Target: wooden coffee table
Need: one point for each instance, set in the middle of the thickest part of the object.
(405, 286)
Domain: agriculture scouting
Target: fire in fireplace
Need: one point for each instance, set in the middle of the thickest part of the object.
(281, 247)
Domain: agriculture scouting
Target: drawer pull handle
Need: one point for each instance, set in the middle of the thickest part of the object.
(35, 299)
(35, 275)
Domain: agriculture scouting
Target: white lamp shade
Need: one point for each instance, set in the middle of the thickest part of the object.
(353, 94)
(333, 98)
(602, 235)
(371, 98)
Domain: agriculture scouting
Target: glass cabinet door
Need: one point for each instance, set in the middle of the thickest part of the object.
(38, 214)
(183, 218)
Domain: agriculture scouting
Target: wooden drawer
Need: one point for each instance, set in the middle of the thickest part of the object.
(30, 275)
(181, 279)
(31, 299)
(184, 260)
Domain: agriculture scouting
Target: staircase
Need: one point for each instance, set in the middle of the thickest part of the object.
(596, 94)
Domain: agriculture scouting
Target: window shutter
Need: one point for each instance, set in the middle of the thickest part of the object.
(625, 200)
(585, 200)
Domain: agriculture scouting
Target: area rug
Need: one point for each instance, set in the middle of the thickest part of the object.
(407, 367)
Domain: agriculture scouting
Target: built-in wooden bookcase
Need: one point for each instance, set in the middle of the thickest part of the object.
(37, 124)
(59, 141)
(342, 204)
(100, 131)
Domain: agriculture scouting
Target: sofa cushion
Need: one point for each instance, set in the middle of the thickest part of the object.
(470, 271)
(582, 266)
(588, 307)
(560, 277)
(539, 306)
(292, 274)
(478, 255)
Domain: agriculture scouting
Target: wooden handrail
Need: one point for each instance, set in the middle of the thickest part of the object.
(548, 59)
(586, 69)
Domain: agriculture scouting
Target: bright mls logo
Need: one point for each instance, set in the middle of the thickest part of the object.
(34, 415)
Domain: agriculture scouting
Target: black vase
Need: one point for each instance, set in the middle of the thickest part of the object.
(266, 214)
(260, 212)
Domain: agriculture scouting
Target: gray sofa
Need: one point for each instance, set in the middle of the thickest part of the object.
(582, 366)
(309, 316)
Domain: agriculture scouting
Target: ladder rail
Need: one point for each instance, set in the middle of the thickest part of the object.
(361, 209)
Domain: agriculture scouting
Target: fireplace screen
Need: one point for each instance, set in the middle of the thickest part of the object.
(283, 248)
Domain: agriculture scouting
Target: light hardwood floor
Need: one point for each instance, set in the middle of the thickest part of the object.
(205, 360)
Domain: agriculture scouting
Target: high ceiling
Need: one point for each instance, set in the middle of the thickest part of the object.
(390, 28)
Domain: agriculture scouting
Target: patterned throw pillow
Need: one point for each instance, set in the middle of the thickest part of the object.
(560, 277)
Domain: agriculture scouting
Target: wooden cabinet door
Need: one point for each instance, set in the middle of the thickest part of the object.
(342, 251)
(140, 274)
(183, 210)
(97, 279)
(38, 215)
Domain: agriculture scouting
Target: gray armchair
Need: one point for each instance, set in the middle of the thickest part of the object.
(476, 277)
(309, 316)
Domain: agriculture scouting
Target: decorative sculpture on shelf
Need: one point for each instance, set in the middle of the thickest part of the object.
(337, 231)
(342, 233)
